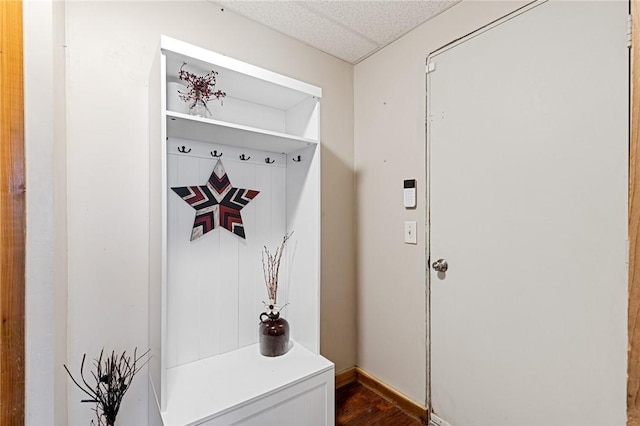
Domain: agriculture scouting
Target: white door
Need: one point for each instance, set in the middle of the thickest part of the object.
(528, 147)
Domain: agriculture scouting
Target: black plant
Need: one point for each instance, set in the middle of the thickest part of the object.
(112, 376)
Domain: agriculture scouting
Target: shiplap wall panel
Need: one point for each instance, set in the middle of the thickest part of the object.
(227, 324)
(247, 256)
(278, 229)
(227, 284)
(303, 257)
(263, 224)
(250, 274)
(215, 283)
(204, 254)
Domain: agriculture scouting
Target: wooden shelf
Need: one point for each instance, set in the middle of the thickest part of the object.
(213, 386)
(203, 129)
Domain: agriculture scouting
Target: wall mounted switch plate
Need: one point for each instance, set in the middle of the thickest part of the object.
(410, 232)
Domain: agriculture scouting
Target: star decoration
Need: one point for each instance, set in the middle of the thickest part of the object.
(217, 203)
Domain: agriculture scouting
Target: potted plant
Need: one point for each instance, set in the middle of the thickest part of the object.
(274, 330)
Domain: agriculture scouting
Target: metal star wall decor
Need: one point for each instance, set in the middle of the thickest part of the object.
(217, 203)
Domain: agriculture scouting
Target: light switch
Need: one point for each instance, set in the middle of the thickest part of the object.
(410, 233)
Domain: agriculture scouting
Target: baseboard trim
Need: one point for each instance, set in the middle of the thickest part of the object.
(345, 377)
(358, 375)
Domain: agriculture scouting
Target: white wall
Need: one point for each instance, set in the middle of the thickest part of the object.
(110, 46)
(46, 307)
(389, 99)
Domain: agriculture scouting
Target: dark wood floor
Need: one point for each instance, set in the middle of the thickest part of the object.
(357, 405)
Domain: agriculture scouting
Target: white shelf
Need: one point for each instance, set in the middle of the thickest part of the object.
(238, 78)
(219, 132)
(213, 386)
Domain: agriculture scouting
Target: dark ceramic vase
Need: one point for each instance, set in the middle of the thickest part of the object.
(274, 334)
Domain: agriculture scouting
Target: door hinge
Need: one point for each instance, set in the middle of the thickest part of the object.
(629, 29)
(431, 67)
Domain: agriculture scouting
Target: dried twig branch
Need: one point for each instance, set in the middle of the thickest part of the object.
(199, 87)
(271, 268)
(112, 378)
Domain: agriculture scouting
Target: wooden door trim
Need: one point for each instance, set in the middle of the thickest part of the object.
(633, 366)
(12, 215)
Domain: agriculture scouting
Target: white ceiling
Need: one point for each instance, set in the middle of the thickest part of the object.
(348, 29)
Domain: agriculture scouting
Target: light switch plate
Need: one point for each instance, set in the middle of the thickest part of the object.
(410, 232)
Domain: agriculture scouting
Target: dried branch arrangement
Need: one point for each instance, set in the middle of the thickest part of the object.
(112, 376)
(271, 268)
(199, 87)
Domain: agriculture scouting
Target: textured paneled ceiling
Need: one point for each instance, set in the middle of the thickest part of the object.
(348, 29)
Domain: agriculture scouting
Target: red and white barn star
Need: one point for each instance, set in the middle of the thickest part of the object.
(217, 203)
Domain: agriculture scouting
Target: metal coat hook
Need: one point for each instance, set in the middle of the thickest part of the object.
(297, 159)
(269, 160)
(244, 157)
(183, 149)
(215, 154)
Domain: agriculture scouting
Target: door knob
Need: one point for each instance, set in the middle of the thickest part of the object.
(440, 265)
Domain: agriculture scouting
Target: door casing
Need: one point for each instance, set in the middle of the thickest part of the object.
(633, 360)
(12, 215)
